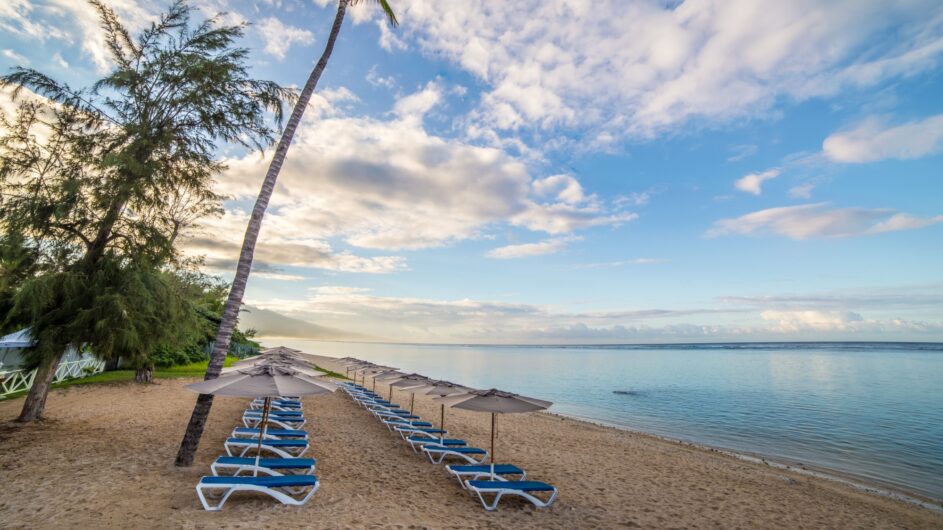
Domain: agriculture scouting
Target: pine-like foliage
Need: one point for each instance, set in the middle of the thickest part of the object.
(97, 183)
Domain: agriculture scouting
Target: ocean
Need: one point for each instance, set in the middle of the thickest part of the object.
(867, 410)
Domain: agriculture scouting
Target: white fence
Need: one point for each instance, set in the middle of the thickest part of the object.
(18, 380)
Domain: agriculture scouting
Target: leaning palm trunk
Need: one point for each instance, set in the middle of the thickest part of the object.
(191, 439)
(35, 400)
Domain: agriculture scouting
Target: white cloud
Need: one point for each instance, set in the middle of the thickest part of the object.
(802, 191)
(873, 140)
(753, 183)
(389, 41)
(657, 66)
(219, 240)
(280, 37)
(819, 220)
(633, 199)
(417, 104)
(622, 263)
(792, 321)
(526, 250)
(57, 58)
(467, 320)
(15, 57)
(739, 152)
(377, 80)
(390, 184)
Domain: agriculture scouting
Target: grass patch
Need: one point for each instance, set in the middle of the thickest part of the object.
(330, 373)
(120, 376)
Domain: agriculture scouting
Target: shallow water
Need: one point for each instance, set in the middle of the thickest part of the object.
(870, 410)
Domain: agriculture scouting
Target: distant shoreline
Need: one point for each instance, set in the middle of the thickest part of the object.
(920, 345)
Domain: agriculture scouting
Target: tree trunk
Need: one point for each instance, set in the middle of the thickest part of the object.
(35, 401)
(191, 439)
(144, 375)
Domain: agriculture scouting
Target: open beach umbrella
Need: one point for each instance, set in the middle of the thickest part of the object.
(374, 370)
(267, 381)
(352, 364)
(409, 383)
(440, 388)
(496, 402)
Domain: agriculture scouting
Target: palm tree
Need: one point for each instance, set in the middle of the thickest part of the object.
(191, 438)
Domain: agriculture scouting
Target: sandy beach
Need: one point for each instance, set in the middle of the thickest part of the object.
(103, 458)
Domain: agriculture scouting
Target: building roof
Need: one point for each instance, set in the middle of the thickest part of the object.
(17, 339)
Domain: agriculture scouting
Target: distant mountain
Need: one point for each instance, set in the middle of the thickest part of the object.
(268, 323)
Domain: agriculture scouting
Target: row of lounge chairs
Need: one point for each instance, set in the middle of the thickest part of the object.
(275, 466)
(475, 474)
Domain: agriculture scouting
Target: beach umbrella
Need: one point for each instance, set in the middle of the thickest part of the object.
(374, 370)
(496, 402)
(409, 382)
(440, 388)
(267, 381)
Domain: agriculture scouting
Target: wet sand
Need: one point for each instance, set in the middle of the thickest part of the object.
(103, 459)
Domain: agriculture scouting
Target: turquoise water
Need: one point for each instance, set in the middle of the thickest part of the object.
(870, 410)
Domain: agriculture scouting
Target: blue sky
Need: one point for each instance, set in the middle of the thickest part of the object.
(579, 171)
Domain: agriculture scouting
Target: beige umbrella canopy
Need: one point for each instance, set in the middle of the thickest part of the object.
(409, 383)
(264, 380)
(496, 402)
(438, 389)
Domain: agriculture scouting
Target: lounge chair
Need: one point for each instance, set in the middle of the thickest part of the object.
(294, 490)
(523, 488)
(255, 412)
(249, 432)
(284, 422)
(393, 423)
(438, 453)
(417, 442)
(282, 448)
(480, 471)
(405, 431)
(239, 465)
(389, 415)
(286, 406)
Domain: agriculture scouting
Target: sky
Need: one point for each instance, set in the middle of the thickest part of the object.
(580, 172)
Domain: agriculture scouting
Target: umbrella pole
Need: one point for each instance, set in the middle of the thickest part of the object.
(493, 417)
(391, 392)
(441, 422)
(412, 399)
(258, 450)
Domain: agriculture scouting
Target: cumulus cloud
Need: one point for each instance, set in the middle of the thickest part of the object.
(819, 220)
(753, 183)
(389, 184)
(280, 37)
(655, 66)
(873, 140)
(219, 240)
(526, 250)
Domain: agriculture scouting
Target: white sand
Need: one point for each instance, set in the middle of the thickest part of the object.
(104, 459)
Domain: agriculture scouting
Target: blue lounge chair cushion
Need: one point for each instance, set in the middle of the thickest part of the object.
(499, 469)
(524, 485)
(271, 463)
(430, 431)
(272, 443)
(437, 441)
(297, 433)
(276, 412)
(463, 450)
(269, 482)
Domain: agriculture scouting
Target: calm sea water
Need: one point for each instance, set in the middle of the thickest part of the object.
(865, 409)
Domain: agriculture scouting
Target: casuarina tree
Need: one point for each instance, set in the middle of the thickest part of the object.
(99, 181)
